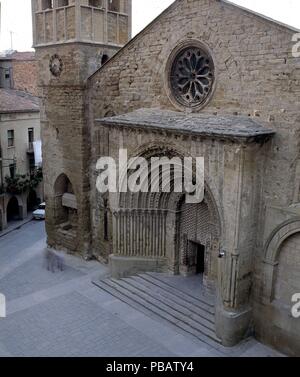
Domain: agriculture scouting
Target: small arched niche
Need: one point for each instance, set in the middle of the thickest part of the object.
(104, 59)
(65, 203)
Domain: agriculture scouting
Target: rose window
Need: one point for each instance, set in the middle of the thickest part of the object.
(192, 76)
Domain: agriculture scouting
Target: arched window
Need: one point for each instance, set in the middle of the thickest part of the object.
(62, 3)
(47, 4)
(114, 5)
(96, 3)
(104, 59)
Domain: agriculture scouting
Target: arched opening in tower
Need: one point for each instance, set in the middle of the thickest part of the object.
(66, 215)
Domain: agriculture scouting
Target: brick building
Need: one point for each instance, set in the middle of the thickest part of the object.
(18, 70)
(206, 78)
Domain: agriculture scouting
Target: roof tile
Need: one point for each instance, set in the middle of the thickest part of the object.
(12, 101)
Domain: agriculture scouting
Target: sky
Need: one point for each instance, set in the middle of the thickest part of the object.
(16, 17)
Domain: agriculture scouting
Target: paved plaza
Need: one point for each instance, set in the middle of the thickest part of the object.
(64, 314)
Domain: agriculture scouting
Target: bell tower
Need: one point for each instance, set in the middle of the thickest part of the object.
(72, 39)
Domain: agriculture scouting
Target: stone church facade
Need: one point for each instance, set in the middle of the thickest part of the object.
(206, 78)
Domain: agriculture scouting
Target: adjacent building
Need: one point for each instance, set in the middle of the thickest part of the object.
(20, 177)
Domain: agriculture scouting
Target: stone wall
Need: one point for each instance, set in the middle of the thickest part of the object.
(256, 77)
(25, 76)
(65, 135)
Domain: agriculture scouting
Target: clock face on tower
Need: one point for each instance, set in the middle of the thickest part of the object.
(56, 65)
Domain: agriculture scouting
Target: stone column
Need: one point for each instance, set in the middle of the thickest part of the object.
(241, 204)
(233, 318)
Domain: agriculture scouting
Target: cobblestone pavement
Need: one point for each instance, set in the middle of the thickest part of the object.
(64, 314)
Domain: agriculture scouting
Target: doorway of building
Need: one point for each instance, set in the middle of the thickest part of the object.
(32, 201)
(197, 241)
(13, 212)
(200, 259)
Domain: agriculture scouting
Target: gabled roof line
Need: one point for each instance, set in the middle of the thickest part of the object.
(249, 12)
(137, 36)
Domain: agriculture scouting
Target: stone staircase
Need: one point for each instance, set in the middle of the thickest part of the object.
(151, 294)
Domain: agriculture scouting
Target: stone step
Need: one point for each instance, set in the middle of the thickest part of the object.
(67, 245)
(201, 302)
(148, 305)
(66, 238)
(178, 303)
(67, 234)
